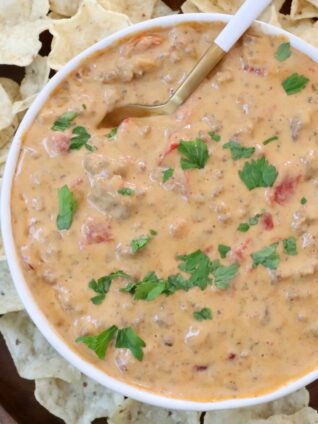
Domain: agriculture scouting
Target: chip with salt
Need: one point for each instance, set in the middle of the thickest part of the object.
(6, 113)
(64, 7)
(133, 412)
(286, 405)
(32, 355)
(36, 76)
(189, 7)
(21, 22)
(161, 9)
(302, 9)
(137, 10)
(9, 299)
(90, 24)
(9, 93)
(77, 403)
(304, 416)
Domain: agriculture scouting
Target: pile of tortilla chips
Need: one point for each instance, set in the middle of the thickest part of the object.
(75, 25)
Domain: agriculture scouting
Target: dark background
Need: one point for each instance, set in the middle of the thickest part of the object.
(16, 394)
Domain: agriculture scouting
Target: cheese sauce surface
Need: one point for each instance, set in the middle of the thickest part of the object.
(210, 214)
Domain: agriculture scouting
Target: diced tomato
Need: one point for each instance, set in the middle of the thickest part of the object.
(208, 249)
(231, 356)
(238, 252)
(61, 142)
(284, 191)
(267, 221)
(254, 70)
(170, 148)
(96, 232)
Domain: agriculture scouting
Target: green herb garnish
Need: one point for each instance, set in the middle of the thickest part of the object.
(112, 134)
(290, 246)
(303, 200)
(295, 83)
(198, 265)
(238, 151)
(99, 344)
(194, 154)
(125, 191)
(203, 315)
(224, 274)
(128, 339)
(283, 52)
(244, 227)
(102, 285)
(67, 208)
(268, 257)
(80, 138)
(270, 140)
(258, 173)
(223, 250)
(64, 121)
(214, 136)
(167, 174)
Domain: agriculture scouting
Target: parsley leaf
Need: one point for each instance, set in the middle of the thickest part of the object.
(268, 257)
(258, 173)
(126, 191)
(203, 314)
(224, 274)
(198, 265)
(127, 338)
(294, 83)
(283, 52)
(112, 134)
(167, 174)
(64, 121)
(238, 151)
(223, 250)
(139, 243)
(214, 136)
(194, 154)
(290, 246)
(80, 139)
(99, 344)
(149, 288)
(67, 208)
(244, 227)
(102, 285)
(303, 200)
(270, 140)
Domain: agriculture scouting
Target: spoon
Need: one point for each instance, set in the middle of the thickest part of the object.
(237, 26)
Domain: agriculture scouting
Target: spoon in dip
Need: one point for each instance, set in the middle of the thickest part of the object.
(227, 38)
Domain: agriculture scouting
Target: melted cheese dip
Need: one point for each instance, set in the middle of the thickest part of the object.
(264, 327)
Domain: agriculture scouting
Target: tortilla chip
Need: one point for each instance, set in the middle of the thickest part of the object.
(161, 9)
(6, 136)
(304, 416)
(36, 76)
(90, 24)
(9, 299)
(189, 7)
(11, 87)
(9, 92)
(136, 10)
(78, 403)
(301, 9)
(20, 26)
(64, 7)
(286, 405)
(33, 356)
(6, 114)
(133, 412)
(313, 2)
(305, 28)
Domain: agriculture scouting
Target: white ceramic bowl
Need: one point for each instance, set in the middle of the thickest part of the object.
(22, 288)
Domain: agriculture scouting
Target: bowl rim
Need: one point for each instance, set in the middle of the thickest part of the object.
(20, 283)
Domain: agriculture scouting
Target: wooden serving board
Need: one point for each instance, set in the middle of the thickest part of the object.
(17, 402)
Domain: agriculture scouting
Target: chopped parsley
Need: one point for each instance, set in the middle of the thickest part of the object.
(67, 208)
(99, 344)
(268, 257)
(80, 138)
(125, 338)
(112, 134)
(290, 246)
(224, 275)
(223, 250)
(203, 315)
(295, 83)
(84, 106)
(128, 339)
(214, 136)
(142, 241)
(194, 154)
(238, 151)
(64, 121)
(303, 200)
(283, 52)
(102, 285)
(153, 232)
(149, 288)
(167, 174)
(258, 173)
(244, 227)
(126, 191)
(270, 140)
(198, 265)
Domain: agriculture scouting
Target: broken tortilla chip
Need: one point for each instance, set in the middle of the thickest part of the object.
(77, 403)
(136, 10)
(302, 9)
(9, 299)
(64, 7)
(90, 24)
(161, 9)
(304, 416)
(36, 76)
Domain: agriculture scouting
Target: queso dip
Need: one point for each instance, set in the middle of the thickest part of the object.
(178, 253)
